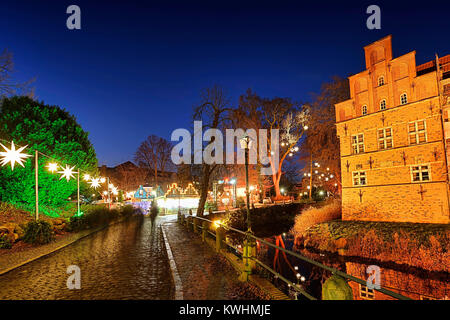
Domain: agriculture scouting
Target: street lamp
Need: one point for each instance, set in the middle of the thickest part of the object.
(246, 144)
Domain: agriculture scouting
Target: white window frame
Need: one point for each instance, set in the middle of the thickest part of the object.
(404, 94)
(364, 110)
(381, 104)
(357, 175)
(381, 81)
(358, 145)
(385, 139)
(417, 132)
(366, 293)
(420, 171)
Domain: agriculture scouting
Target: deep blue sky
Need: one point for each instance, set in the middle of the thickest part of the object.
(137, 67)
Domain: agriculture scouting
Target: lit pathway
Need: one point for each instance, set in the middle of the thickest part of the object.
(204, 274)
(125, 261)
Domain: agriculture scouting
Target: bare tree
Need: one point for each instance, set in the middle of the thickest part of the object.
(214, 112)
(7, 85)
(153, 154)
(289, 118)
(321, 140)
(130, 177)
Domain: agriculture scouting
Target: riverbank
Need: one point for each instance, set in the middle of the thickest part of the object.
(423, 246)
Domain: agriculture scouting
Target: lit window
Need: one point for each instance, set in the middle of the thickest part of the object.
(380, 81)
(417, 132)
(420, 173)
(385, 139)
(358, 143)
(383, 104)
(366, 293)
(403, 98)
(364, 110)
(359, 178)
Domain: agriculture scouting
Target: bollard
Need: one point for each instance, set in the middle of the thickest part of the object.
(194, 224)
(220, 235)
(204, 230)
(179, 216)
(249, 251)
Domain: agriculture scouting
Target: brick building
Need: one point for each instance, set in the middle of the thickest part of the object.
(393, 133)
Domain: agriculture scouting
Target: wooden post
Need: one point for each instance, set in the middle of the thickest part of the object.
(205, 226)
(182, 219)
(220, 234)
(194, 224)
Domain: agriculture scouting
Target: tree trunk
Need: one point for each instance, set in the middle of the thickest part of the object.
(276, 185)
(204, 190)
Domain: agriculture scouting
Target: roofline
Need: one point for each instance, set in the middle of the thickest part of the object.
(379, 40)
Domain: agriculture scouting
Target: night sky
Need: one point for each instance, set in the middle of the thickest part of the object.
(137, 67)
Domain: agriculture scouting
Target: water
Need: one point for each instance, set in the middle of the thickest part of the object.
(408, 281)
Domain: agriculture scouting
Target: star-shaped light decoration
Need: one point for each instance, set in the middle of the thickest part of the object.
(12, 155)
(95, 183)
(67, 173)
(87, 177)
(52, 167)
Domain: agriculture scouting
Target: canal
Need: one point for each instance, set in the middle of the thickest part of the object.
(124, 261)
(414, 283)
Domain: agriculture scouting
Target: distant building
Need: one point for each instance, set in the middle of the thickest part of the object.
(128, 177)
(394, 132)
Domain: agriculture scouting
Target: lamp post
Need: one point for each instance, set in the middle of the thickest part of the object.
(36, 178)
(246, 144)
(78, 192)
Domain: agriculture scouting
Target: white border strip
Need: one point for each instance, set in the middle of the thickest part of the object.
(173, 268)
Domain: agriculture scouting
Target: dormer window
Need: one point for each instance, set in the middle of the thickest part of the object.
(404, 98)
(383, 104)
(364, 110)
(380, 81)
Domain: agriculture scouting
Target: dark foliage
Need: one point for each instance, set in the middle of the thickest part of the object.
(38, 232)
(5, 243)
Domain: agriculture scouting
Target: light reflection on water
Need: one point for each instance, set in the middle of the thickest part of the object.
(411, 282)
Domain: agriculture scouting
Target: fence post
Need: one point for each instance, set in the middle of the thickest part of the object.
(182, 219)
(189, 223)
(204, 230)
(194, 221)
(220, 234)
(249, 251)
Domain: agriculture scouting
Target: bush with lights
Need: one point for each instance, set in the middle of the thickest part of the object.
(52, 131)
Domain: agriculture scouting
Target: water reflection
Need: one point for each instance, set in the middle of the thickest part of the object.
(411, 282)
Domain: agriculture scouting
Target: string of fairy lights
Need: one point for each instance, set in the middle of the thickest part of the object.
(16, 155)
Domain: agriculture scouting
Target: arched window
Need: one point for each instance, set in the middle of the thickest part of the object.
(404, 98)
(380, 81)
(383, 104)
(364, 109)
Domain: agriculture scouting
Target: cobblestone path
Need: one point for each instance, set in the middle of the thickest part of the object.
(125, 261)
(204, 273)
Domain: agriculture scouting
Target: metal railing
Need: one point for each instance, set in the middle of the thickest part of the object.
(296, 287)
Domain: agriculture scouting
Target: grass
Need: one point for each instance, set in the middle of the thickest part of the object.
(314, 215)
(386, 230)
